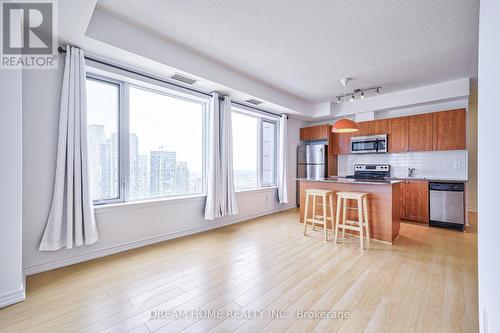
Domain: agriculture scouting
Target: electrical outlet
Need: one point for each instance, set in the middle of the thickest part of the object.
(457, 164)
(266, 198)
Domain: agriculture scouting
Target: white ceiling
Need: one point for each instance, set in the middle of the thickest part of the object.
(304, 47)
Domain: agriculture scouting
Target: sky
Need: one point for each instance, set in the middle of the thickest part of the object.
(174, 124)
(245, 141)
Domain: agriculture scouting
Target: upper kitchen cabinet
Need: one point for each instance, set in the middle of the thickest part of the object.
(341, 143)
(379, 127)
(420, 132)
(363, 128)
(313, 133)
(398, 135)
(373, 127)
(449, 130)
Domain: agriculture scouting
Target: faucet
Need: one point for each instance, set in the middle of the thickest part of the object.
(411, 171)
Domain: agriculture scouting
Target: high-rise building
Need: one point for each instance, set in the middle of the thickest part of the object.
(163, 168)
(195, 181)
(143, 178)
(102, 168)
(115, 171)
(95, 137)
(134, 166)
(181, 178)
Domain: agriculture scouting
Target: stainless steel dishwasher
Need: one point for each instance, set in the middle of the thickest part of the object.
(446, 201)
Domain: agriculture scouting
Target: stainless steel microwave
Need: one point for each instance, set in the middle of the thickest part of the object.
(369, 144)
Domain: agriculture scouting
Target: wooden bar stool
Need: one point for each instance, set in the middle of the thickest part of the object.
(362, 221)
(327, 200)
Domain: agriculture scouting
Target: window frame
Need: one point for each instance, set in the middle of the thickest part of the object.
(261, 119)
(275, 151)
(124, 82)
(121, 143)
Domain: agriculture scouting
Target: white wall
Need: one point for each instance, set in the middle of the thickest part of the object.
(11, 277)
(120, 228)
(488, 161)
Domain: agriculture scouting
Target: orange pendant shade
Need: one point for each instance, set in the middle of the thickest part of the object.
(345, 126)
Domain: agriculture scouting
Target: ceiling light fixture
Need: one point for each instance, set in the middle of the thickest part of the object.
(345, 126)
(357, 93)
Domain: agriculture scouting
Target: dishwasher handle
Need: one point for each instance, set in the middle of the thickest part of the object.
(450, 187)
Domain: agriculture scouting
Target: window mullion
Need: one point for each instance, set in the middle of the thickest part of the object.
(125, 138)
(259, 152)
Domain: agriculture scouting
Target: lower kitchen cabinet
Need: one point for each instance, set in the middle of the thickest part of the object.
(414, 201)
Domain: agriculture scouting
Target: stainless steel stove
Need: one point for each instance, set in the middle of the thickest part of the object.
(371, 172)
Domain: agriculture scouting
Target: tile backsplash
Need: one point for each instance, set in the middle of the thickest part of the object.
(450, 164)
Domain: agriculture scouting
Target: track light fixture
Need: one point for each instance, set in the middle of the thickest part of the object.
(358, 93)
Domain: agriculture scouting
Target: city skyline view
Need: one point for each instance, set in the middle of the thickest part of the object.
(155, 174)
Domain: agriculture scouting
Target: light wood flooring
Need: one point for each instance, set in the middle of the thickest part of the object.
(425, 282)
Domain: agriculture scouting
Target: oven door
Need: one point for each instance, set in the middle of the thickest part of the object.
(361, 146)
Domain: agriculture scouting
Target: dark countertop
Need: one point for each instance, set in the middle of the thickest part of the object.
(343, 180)
(443, 180)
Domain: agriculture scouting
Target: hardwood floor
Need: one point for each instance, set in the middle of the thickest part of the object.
(425, 282)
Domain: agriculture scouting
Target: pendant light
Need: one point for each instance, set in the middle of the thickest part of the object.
(344, 125)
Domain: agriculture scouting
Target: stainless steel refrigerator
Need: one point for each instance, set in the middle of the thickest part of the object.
(311, 163)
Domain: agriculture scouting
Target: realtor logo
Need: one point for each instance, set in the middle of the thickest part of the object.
(28, 34)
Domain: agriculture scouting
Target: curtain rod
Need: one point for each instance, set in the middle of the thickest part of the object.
(61, 50)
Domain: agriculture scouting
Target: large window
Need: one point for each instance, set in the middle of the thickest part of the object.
(147, 141)
(254, 150)
(143, 142)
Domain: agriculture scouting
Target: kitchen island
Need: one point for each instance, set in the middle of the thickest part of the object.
(383, 203)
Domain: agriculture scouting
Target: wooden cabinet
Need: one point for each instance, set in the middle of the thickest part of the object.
(306, 133)
(379, 127)
(398, 135)
(420, 132)
(364, 128)
(320, 132)
(373, 127)
(449, 130)
(332, 155)
(342, 143)
(414, 201)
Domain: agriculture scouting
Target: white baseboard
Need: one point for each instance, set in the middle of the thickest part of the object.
(30, 270)
(12, 298)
